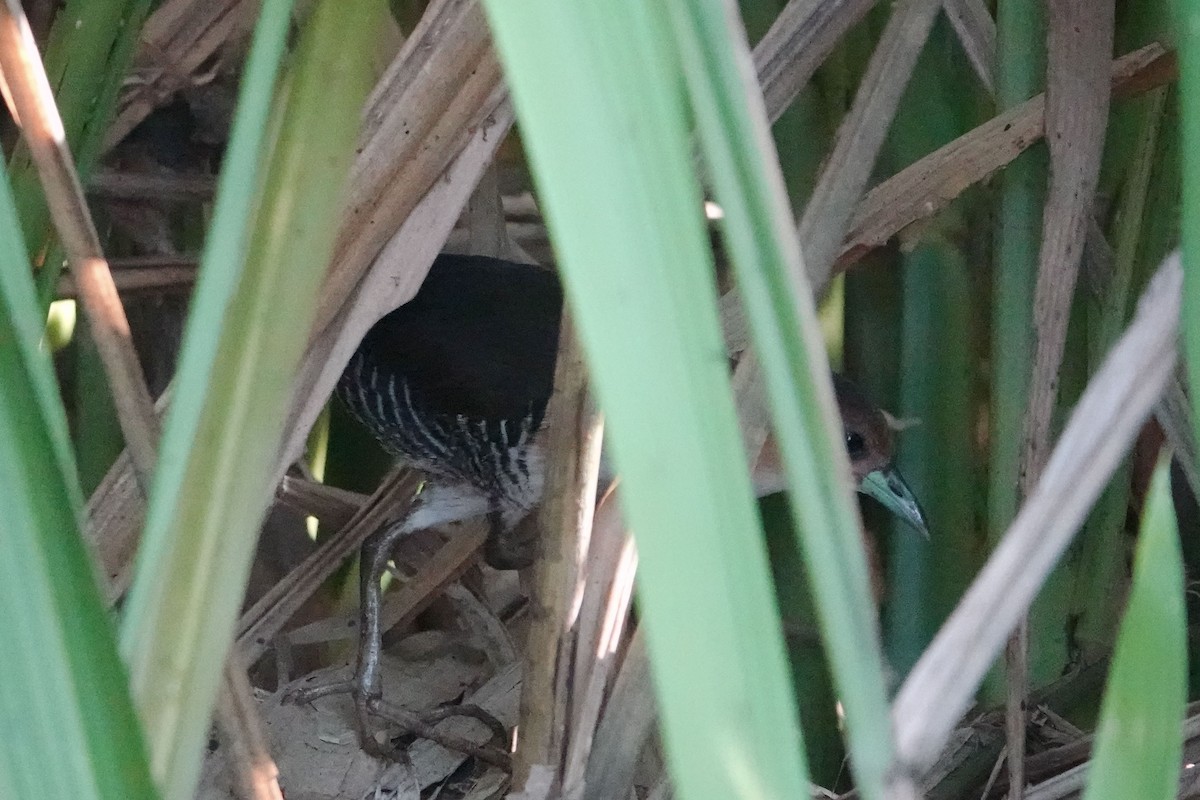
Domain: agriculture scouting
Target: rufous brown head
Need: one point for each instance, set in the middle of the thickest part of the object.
(870, 438)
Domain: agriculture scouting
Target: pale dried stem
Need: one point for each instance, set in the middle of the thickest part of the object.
(1103, 425)
(262, 621)
(565, 524)
(927, 186)
(399, 607)
(1081, 34)
(1077, 95)
(799, 41)
(42, 129)
(976, 30)
(238, 717)
(625, 729)
(840, 186)
(608, 592)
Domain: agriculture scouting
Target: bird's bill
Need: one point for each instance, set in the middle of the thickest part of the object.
(888, 487)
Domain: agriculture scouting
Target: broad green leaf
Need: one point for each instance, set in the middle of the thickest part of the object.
(1139, 743)
(88, 53)
(598, 89)
(1188, 44)
(254, 305)
(762, 243)
(65, 717)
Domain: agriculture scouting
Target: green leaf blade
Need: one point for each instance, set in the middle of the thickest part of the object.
(256, 298)
(1139, 743)
(603, 80)
(67, 720)
(748, 185)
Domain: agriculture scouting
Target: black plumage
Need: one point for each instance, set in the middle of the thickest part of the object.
(456, 381)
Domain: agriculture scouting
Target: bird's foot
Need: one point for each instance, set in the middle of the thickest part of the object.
(366, 685)
(370, 707)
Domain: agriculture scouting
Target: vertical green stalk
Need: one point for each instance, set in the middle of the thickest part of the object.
(937, 455)
(64, 702)
(1188, 44)
(89, 51)
(1020, 70)
(98, 439)
(935, 375)
(599, 94)
(1139, 745)
(254, 305)
(1021, 66)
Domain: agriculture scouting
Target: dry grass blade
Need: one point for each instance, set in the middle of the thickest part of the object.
(799, 41)
(486, 231)
(565, 522)
(1111, 411)
(629, 719)
(1077, 104)
(838, 190)
(976, 30)
(401, 606)
(332, 506)
(430, 102)
(115, 514)
(749, 394)
(1071, 782)
(929, 185)
(1077, 94)
(608, 592)
(176, 44)
(265, 618)
(238, 716)
(1081, 36)
(388, 281)
(33, 105)
(1174, 414)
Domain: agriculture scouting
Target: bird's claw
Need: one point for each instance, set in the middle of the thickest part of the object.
(424, 725)
(365, 704)
(302, 695)
(370, 704)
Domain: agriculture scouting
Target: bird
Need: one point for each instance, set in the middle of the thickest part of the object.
(456, 383)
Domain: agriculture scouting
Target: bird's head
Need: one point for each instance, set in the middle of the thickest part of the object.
(870, 440)
(869, 436)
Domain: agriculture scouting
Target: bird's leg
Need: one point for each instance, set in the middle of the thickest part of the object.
(437, 505)
(510, 546)
(366, 686)
(368, 690)
(376, 551)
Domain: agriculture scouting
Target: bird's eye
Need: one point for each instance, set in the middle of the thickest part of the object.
(856, 446)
